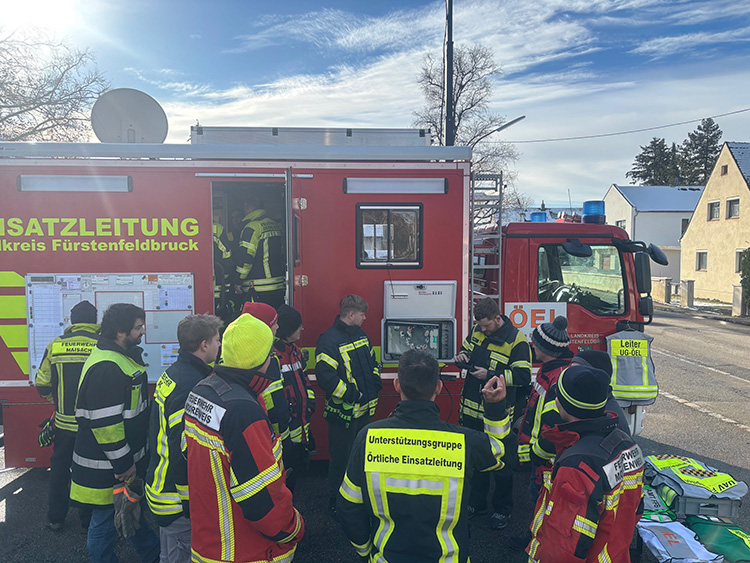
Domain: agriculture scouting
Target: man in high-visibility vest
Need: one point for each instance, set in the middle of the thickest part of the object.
(167, 482)
(403, 497)
(260, 257)
(57, 381)
(112, 415)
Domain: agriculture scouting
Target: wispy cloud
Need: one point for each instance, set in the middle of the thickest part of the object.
(666, 46)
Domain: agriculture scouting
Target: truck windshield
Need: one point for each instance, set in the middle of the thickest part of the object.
(595, 283)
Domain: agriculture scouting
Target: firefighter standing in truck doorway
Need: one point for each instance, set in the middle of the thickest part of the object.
(494, 347)
(57, 381)
(260, 259)
(224, 274)
(408, 474)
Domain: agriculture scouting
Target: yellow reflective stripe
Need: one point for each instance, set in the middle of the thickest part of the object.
(364, 549)
(283, 558)
(350, 491)
(521, 364)
(603, 556)
(297, 526)
(327, 359)
(203, 438)
(340, 390)
(634, 481)
(226, 522)
(109, 434)
(253, 486)
(498, 428)
(65, 425)
(585, 526)
(537, 449)
(89, 495)
(524, 453)
(176, 418)
(162, 450)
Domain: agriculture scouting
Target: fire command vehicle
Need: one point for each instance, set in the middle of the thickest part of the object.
(390, 220)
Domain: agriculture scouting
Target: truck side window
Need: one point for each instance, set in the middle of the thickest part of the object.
(595, 283)
(389, 235)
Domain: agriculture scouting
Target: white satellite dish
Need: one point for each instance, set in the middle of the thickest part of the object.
(125, 115)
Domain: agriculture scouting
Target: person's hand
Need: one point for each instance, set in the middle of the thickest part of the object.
(494, 390)
(127, 477)
(462, 358)
(237, 289)
(479, 373)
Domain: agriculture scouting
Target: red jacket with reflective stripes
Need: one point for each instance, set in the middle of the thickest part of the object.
(591, 500)
(240, 507)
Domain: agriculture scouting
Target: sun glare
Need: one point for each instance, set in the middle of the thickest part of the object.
(59, 16)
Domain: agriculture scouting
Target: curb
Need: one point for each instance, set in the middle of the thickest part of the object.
(697, 313)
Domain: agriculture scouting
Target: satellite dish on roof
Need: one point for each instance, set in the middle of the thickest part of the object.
(125, 115)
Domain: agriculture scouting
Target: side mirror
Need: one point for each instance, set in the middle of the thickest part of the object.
(657, 255)
(642, 272)
(646, 306)
(576, 248)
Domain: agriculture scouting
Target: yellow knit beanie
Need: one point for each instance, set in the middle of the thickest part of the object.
(246, 344)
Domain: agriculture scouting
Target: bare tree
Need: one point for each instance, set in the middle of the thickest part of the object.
(47, 89)
(473, 70)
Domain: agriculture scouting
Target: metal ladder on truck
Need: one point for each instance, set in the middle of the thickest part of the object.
(486, 212)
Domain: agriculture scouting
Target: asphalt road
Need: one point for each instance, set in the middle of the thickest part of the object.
(701, 412)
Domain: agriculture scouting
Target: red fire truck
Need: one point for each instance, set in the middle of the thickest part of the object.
(133, 223)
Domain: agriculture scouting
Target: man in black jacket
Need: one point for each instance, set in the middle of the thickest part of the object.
(57, 381)
(346, 369)
(112, 415)
(404, 495)
(166, 482)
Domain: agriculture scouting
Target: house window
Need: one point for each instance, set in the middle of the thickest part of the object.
(685, 223)
(714, 211)
(701, 261)
(724, 169)
(389, 235)
(620, 224)
(733, 208)
(738, 259)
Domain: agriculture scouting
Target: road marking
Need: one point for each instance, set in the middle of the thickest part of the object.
(689, 361)
(704, 410)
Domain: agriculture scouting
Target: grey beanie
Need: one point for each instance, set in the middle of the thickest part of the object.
(552, 338)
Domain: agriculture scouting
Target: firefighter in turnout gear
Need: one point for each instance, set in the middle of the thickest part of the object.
(300, 397)
(348, 372)
(166, 482)
(403, 497)
(241, 509)
(112, 415)
(260, 256)
(591, 500)
(224, 272)
(494, 348)
(57, 381)
(273, 396)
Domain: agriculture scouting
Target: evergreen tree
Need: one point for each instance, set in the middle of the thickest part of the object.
(656, 165)
(698, 153)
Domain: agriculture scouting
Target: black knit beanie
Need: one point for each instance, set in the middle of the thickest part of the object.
(289, 321)
(83, 312)
(583, 391)
(594, 359)
(552, 338)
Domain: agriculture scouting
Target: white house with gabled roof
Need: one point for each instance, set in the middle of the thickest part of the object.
(654, 214)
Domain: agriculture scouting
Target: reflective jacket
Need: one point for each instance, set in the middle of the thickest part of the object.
(112, 415)
(260, 257)
(274, 399)
(405, 491)
(60, 371)
(506, 353)
(591, 500)
(240, 507)
(166, 481)
(225, 272)
(299, 396)
(346, 369)
(531, 423)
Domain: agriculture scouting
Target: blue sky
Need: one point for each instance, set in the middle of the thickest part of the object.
(573, 67)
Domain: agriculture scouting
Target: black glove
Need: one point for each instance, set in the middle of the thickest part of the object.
(352, 394)
(47, 432)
